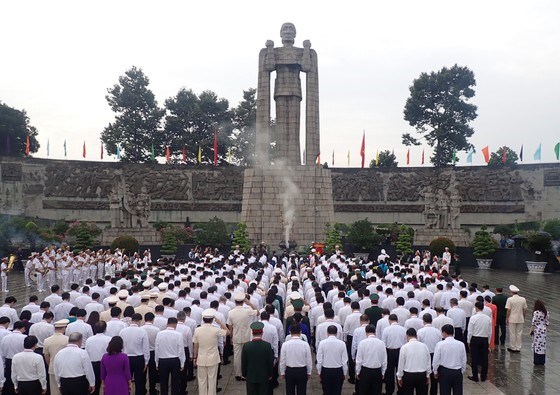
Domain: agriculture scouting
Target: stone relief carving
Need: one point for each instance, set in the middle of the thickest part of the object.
(551, 178)
(11, 172)
(360, 186)
(224, 185)
(408, 187)
(490, 185)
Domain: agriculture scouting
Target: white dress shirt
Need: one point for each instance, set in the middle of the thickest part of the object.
(41, 330)
(11, 313)
(136, 342)
(458, 316)
(28, 366)
(72, 362)
(96, 346)
(450, 354)
(169, 344)
(430, 336)
(187, 337)
(321, 331)
(152, 332)
(295, 353)
(82, 327)
(114, 327)
(414, 357)
(332, 353)
(394, 336)
(480, 325)
(12, 344)
(371, 354)
(357, 337)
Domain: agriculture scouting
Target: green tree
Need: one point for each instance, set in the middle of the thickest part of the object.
(437, 108)
(553, 227)
(14, 129)
(362, 235)
(191, 121)
(241, 237)
(386, 159)
(137, 119)
(244, 121)
(333, 237)
(484, 245)
(404, 240)
(212, 233)
(497, 158)
(169, 246)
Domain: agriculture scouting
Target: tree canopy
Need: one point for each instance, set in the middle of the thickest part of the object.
(386, 159)
(137, 119)
(437, 108)
(245, 120)
(497, 158)
(14, 129)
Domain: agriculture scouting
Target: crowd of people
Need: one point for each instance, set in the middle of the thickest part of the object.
(121, 324)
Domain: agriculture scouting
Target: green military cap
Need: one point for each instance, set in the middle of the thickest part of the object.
(257, 326)
(374, 297)
(297, 303)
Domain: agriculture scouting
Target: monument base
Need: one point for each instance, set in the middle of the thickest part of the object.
(423, 237)
(271, 191)
(145, 236)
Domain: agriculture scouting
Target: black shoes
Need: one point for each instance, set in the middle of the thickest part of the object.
(472, 378)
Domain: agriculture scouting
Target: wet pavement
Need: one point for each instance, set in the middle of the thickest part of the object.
(510, 374)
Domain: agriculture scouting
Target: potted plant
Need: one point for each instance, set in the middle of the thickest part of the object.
(539, 243)
(484, 246)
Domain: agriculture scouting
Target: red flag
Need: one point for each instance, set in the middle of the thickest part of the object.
(84, 150)
(215, 148)
(363, 149)
(504, 155)
(422, 156)
(184, 153)
(408, 157)
(486, 154)
(101, 151)
(319, 158)
(27, 147)
(167, 154)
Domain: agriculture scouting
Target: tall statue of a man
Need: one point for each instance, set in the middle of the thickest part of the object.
(288, 61)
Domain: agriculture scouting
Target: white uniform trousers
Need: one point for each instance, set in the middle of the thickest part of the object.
(237, 349)
(207, 379)
(515, 332)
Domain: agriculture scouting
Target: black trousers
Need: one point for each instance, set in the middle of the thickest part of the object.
(169, 367)
(228, 349)
(479, 356)
(29, 387)
(458, 332)
(450, 380)
(466, 333)
(351, 363)
(332, 380)
(391, 372)
(414, 382)
(152, 374)
(433, 380)
(183, 376)
(189, 366)
(296, 381)
(8, 388)
(500, 333)
(39, 350)
(138, 375)
(257, 388)
(370, 381)
(74, 386)
(97, 371)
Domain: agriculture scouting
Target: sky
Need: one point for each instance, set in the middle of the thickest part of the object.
(60, 57)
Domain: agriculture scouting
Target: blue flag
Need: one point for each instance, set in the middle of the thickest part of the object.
(537, 155)
(469, 155)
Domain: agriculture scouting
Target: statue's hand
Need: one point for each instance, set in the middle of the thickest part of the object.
(306, 44)
(269, 44)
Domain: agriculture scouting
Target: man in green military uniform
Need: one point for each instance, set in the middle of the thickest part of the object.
(373, 312)
(500, 331)
(257, 362)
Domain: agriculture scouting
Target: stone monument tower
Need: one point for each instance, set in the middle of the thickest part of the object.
(286, 200)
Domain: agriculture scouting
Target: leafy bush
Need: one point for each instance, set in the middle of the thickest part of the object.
(126, 243)
(212, 233)
(333, 237)
(404, 240)
(241, 237)
(484, 245)
(85, 233)
(362, 235)
(169, 246)
(539, 241)
(160, 225)
(553, 227)
(437, 246)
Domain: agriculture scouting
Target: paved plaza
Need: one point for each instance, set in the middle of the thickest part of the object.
(510, 374)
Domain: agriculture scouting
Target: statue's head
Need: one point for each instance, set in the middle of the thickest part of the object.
(288, 33)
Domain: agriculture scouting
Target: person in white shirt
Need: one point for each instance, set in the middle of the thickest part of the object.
(152, 332)
(115, 325)
(480, 332)
(459, 319)
(137, 348)
(11, 345)
(42, 330)
(413, 373)
(414, 321)
(295, 362)
(96, 347)
(7, 310)
(73, 371)
(394, 337)
(169, 356)
(28, 370)
(80, 325)
(430, 336)
(450, 362)
(32, 306)
(371, 363)
(332, 362)
(441, 319)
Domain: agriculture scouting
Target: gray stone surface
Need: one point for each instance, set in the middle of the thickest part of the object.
(288, 62)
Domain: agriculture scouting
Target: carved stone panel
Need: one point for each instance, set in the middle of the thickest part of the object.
(409, 186)
(360, 186)
(552, 177)
(212, 185)
(378, 208)
(11, 172)
(490, 185)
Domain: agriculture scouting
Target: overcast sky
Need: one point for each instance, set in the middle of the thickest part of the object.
(59, 58)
